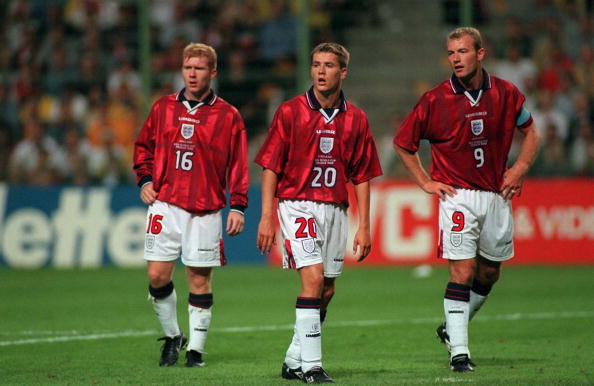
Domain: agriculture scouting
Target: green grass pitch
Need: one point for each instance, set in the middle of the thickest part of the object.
(95, 327)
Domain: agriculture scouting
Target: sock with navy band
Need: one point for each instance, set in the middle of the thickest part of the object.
(456, 308)
(307, 325)
(199, 310)
(164, 300)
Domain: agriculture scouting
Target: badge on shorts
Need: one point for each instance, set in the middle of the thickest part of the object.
(326, 144)
(149, 242)
(187, 130)
(476, 125)
(309, 245)
(456, 239)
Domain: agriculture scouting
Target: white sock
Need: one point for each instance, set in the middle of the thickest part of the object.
(475, 303)
(293, 356)
(166, 311)
(310, 337)
(456, 314)
(199, 324)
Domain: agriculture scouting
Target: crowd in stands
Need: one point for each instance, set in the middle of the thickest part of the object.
(71, 95)
(72, 101)
(549, 55)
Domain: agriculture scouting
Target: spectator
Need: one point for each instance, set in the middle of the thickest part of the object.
(581, 152)
(36, 158)
(515, 68)
(547, 116)
(551, 160)
(124, 75)
(583, 71)
(73, 163)
(278, 36)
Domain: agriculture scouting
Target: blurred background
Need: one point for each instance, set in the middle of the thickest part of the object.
(77, 78)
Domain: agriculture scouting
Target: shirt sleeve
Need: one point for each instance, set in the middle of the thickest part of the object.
(144, 149)
(238, 178)
(274, 151)
(412, 129)
(365, 163)
(523, 116)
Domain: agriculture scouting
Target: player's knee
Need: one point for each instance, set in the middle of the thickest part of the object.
(312, 287)
(329, 289)
(158, 278)
(489, 276)
(462, 276)
(328, 292)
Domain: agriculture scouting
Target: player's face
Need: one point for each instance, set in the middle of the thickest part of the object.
(464, 58)
(197, 76)
(326, 73)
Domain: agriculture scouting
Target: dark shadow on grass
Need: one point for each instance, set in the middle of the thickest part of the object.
(505, 362)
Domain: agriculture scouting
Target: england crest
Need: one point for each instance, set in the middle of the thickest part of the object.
(187, 130)
(326, 144)
(456, 239)
(476, 125)
(309, 245)
(149, 242)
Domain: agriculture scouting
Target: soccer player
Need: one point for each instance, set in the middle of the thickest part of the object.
(469, 121)
(317, 142)
(192, 145)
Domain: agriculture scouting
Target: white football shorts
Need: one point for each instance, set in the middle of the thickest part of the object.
(475, 222)
(313, 233)
(172, 231)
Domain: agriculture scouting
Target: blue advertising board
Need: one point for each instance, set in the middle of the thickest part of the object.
(88, 227)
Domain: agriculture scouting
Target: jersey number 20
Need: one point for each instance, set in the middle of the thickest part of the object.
(324, 176)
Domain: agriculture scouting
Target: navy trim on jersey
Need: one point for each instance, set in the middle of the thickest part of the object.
(329, 113)
(209, 100)
(457, 87)
(144, 180)
(313, 103)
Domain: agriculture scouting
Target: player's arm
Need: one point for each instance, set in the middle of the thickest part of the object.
(362, 241)
(412, 163)
(266, 231)
(144, 158)
(238, 179)
(513, 179)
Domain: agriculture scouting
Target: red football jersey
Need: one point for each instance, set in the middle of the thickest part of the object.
(316, 151)
(470, 135)
(191, 153)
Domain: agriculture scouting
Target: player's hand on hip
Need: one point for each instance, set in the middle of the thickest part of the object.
(361, 244)
(266, 235)
(512, 183)
(440, 189)
(235, 223)
(148, 194)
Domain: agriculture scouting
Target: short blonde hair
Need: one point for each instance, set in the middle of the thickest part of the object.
(193, 50)
(333, 48)
(470, 31)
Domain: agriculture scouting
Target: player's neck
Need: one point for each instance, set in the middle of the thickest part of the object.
(473, 81)
(199, 96)
(328, 99)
